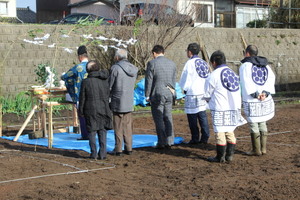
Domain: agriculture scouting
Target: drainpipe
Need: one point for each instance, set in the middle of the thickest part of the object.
(290, 10)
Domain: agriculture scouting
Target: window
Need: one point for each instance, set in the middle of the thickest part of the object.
(203, 13)
(3, 8)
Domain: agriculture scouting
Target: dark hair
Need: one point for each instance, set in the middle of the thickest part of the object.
(81, 50)
(252, 50)
(218, 57)
(194, 48)
(158, 49)
(92, 66)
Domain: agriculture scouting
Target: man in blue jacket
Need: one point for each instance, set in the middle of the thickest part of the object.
(73, 79)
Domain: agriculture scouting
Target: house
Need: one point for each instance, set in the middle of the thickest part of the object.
(8, 8)
(249, 10)
(49, 10)
(225, 13)
(237, 13)
(202, 11)
(105, 8)
(26, 15)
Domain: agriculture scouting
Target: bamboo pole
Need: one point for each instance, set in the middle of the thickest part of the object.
(204, 51)
(243, 41)
(25, 123)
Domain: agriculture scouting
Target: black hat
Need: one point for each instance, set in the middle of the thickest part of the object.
(81, 50)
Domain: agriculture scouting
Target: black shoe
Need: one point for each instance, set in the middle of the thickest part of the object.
(193, 142)
(168, 147)
(159, 146)
(203, 142)
(128, 152)
(82, 139)
(118, 153)
(93, 158)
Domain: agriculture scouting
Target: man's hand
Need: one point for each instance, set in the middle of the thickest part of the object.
(262, 96)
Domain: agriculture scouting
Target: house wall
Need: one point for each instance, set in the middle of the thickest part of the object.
(245, 14)
(98, 8)
(123, 3)
(188, 7)
(19, 59)
(11, 9)
(74, 1)
(48, 10)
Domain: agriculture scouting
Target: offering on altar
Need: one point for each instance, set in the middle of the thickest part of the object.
(50, 78)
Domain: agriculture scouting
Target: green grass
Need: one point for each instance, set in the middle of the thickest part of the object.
(21, 104)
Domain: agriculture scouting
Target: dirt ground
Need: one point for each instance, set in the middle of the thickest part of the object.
(33, 172)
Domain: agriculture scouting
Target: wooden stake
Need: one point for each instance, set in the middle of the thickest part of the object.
(50, 128)
(25, 123)
(44, 122)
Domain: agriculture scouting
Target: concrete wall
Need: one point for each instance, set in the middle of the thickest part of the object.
(19, 59)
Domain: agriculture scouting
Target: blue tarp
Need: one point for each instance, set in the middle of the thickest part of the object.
(69, 141)
(139, 93)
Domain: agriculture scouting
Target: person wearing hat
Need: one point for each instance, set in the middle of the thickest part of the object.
(73, 79)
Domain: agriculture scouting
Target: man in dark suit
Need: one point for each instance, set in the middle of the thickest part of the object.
(160, 91)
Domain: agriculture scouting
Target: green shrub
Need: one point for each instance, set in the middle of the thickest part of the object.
(259, 24)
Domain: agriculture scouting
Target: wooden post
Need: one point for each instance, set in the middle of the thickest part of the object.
(44, 122)
(50, 128)
(75, 116)
(68, 120)
(25, 123)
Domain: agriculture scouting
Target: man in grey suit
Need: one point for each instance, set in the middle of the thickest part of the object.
(160, 91)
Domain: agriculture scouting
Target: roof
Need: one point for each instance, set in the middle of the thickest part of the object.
(26, 15)
(87, 2)
(254, 2)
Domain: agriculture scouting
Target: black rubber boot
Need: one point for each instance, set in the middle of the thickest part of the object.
(220, 157)
(229, 152)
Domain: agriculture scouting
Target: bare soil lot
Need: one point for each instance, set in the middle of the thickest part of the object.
(33, 172)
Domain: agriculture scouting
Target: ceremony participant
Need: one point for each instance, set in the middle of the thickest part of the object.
(223, 92)
(73, 79)
(159, 91)
(122, 79)
(94, 107)
(192, 82)
(257, 84)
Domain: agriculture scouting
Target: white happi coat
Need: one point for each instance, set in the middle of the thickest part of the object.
(192, 81)
(223, 91)
(257, 79)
